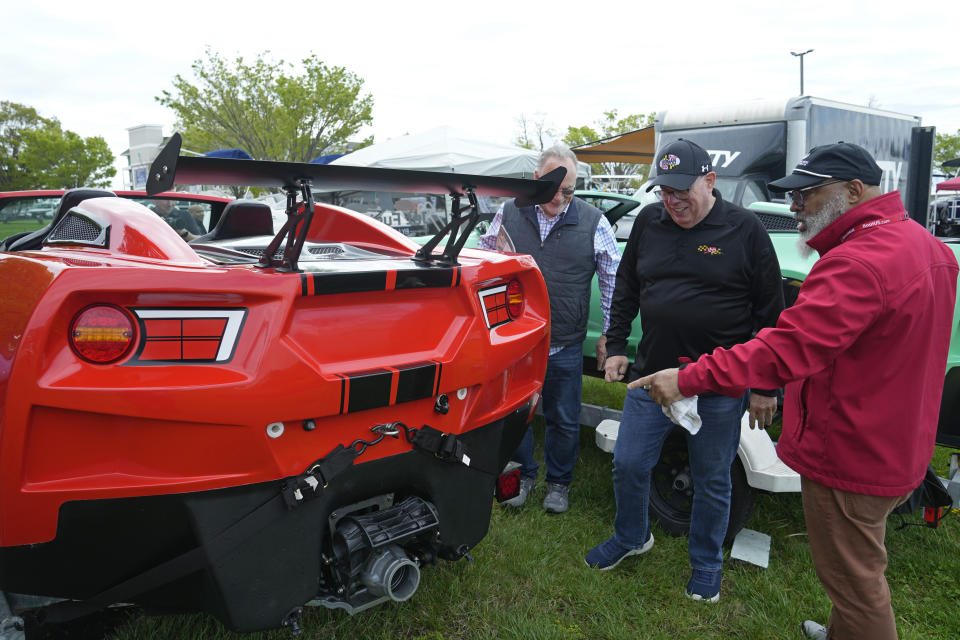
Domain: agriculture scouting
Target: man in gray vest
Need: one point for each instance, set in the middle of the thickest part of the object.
(570, 240)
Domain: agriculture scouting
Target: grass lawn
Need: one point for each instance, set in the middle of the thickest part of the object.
(12, 227)
(528, 580)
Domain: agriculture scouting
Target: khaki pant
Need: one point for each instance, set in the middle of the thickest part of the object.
(846, 533)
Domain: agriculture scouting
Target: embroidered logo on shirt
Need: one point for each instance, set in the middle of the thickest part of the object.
(669, 161)
(710, 251)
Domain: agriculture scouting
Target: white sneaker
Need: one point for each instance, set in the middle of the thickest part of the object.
(813, 630)
(557, 500)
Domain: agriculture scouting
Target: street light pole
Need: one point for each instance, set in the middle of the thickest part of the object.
(800, 55)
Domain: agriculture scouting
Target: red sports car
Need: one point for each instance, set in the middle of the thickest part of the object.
(251, 421)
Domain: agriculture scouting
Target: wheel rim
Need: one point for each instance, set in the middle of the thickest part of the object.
(671, 486)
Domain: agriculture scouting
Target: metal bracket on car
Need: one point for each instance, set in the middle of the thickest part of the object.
(458, 229)
(299, 216)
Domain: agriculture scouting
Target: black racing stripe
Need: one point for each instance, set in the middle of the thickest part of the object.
(369, 389)
(343, 390)
(416, 381)
(457, 283)
(328, 283)
(422, 278)
(439, 372)
(303, 284)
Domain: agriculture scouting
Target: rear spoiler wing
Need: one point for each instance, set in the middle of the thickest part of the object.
(299, 179)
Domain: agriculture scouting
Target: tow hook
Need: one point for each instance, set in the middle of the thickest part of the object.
(442, 405)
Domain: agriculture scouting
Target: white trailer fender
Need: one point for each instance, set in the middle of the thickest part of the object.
(758, 454)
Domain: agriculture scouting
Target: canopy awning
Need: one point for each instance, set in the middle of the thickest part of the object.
(953, 184)
(635, 147)
(446, 149)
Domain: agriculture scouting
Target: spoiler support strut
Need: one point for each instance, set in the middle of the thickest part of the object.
(299, 217)
(457, 230)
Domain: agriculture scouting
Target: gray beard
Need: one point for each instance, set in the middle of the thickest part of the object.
(817, 222)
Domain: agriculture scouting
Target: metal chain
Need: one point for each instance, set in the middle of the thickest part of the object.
(384, 430)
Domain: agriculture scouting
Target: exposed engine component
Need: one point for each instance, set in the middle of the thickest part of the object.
(377, 555)
(390, 572)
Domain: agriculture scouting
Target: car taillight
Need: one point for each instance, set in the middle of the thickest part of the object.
(508, 485)
(102, 334)
(933, 515)
(514, 299)
(502, 303)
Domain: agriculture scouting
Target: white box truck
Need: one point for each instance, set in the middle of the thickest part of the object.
(752, 143)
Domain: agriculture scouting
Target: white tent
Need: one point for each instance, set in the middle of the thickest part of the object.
(448, 150)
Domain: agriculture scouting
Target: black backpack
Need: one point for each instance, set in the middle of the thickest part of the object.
(931, 495)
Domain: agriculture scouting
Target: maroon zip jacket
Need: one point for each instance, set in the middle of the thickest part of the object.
(862, 353)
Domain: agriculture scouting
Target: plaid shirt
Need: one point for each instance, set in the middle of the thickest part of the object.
(605, 251)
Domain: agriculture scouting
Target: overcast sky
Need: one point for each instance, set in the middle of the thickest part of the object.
(97, 66)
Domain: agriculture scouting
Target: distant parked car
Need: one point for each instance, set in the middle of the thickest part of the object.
(620, 209)
(39, 209)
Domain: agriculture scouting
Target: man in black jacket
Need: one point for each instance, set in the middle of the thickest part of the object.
(703, 274)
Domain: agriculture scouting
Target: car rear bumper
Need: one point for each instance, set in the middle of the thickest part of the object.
(253, 586)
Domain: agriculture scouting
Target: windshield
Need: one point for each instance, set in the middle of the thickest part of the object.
(189, 218)
(753, 190)
(727, 188)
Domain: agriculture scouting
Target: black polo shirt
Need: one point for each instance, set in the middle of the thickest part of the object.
(713, 285)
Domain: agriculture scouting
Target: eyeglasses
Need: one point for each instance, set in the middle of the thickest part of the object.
(566, 192)
(679, 195)
(799, 196)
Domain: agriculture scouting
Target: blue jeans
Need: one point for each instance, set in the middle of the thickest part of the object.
(643, 430)
(562, 386)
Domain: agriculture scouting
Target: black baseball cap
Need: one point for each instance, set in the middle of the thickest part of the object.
(842, 161)
(679, 164)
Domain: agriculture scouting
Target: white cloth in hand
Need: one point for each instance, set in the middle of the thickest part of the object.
(684, 413)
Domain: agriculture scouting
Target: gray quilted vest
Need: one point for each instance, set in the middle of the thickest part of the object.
(566, 259)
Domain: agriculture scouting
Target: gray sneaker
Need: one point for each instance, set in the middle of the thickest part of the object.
(813, 630)
(526, 486)
(557, 500)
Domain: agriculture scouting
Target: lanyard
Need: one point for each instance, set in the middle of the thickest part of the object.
(872, 223)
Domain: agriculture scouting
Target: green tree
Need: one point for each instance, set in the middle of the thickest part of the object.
(267, 109)
(946, 148)
(606, 127)
(37, 153)
(63, 160)
(14, 120)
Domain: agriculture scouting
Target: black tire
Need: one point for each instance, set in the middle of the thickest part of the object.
(671, 491)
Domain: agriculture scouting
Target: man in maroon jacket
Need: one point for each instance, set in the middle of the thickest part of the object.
(863, 354)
